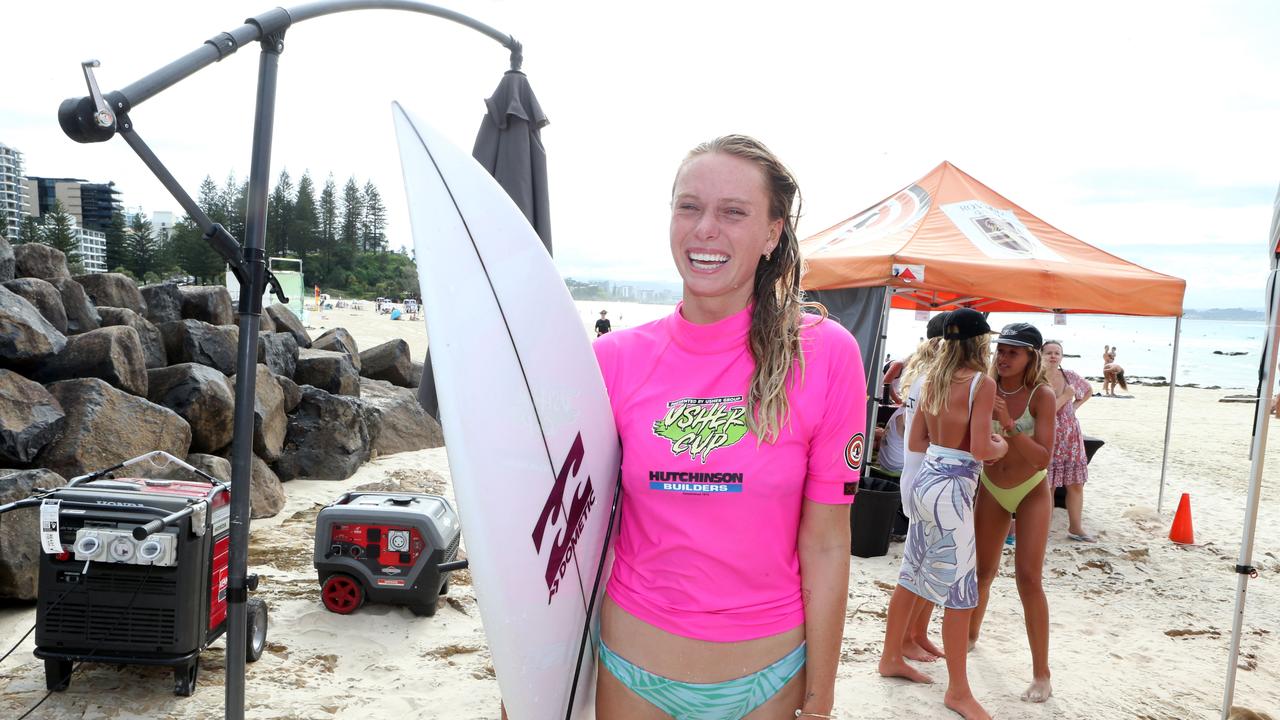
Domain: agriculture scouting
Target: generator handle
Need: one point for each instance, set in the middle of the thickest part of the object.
(17, 504)
(142, 531)
(455, 565)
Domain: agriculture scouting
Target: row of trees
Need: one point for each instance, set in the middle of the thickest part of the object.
(329, 232)
(340, 235)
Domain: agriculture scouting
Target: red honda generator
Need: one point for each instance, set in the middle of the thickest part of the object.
(134, 572)
(395, 548)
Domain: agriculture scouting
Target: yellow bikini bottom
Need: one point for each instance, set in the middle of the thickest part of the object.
(1010, 498)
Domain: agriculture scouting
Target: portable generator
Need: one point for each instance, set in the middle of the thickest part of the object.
(395, 548)
(134, 571)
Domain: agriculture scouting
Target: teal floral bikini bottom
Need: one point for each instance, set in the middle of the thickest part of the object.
(728, 700)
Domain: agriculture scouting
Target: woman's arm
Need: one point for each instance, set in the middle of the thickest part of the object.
(982, 444)
(823, 547)
(1038, 448)
(918, 435)
(1067, 395)
(1088, 391)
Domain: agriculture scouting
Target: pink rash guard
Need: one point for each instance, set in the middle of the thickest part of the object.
(706, 543)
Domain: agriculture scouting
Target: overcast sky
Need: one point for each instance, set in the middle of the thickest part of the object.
(1145, 128)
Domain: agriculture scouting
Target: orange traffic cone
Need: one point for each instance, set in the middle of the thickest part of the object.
(1181, 532)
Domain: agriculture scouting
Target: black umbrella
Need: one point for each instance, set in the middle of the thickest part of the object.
(509, 146)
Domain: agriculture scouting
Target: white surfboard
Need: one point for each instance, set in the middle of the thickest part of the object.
(532, 447)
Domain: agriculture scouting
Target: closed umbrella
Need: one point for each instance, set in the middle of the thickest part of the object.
(509, 146)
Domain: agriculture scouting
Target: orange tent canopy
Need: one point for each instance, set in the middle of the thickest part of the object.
(948, 240)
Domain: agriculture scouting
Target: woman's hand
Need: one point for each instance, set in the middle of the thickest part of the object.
(1001, 447)
(1000, 411)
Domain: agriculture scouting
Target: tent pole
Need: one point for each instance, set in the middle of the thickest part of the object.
(1168, 417)
(877, 374)
(1261, 423)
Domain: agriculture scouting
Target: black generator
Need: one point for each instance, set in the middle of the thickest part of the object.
(395, 548)
(134, 571)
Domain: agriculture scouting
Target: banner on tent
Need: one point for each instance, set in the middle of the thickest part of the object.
(900, 211)
(997, 233)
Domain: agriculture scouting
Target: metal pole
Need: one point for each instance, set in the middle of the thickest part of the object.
(246, 375)
(1261, 423)
(1168, 417)
(877, 375)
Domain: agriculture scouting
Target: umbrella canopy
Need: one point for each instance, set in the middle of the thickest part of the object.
(950, 240)
(509, 146)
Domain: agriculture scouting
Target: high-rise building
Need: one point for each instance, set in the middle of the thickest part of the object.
(13, 190)
(162, 226)
(93, 249)
(91, 204)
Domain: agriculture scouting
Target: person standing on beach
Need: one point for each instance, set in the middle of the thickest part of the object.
(742, 422)
(1069, 467)
(1025, 413)
(1108, 371)
(913, 641)
(952, 426)
(602, 325)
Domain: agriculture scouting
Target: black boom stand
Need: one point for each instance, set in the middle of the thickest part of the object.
(97, 118)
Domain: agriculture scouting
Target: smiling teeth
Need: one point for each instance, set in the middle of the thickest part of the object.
(708, 257)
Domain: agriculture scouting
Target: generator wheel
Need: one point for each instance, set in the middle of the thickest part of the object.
(444, 589)
(57, 675)
(342, 594)
(256, 610)
(184, 678)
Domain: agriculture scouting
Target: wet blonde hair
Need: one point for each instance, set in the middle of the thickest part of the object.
(953, 355)
(774, 338)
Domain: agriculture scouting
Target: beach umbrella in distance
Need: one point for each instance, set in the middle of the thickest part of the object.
(509, 146)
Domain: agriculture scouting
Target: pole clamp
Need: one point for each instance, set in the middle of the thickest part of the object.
(1249, 570)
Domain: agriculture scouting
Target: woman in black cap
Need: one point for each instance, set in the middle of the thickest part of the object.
(952, 427)
(1024, 412)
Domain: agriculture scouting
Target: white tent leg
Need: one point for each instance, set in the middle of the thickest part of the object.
(1168, 417)
(1261, 423)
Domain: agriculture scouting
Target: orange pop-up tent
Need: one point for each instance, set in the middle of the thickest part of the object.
(947, 241)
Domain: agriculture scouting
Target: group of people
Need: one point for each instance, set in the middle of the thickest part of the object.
(986, 439)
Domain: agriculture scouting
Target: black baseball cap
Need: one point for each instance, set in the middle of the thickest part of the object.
(1021, 335)
(937, 326)
(964, 323)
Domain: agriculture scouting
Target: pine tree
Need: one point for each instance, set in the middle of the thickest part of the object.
(117, 243)
(233, 198)
(329, 213)
(60, 233)
(141, 253)
(352, 215)
(306, 220)
(280, 216)
(212, 201)
(375, 219)
(195, 256)
(29, 230)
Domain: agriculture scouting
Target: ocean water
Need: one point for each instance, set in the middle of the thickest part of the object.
(1145, 345)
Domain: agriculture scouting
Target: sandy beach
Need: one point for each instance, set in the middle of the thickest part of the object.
(1140, 626)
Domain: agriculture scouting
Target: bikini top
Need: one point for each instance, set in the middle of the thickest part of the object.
(1024, 425)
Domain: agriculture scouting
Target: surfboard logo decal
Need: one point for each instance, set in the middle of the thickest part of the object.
(560, 552)
(699, 426)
